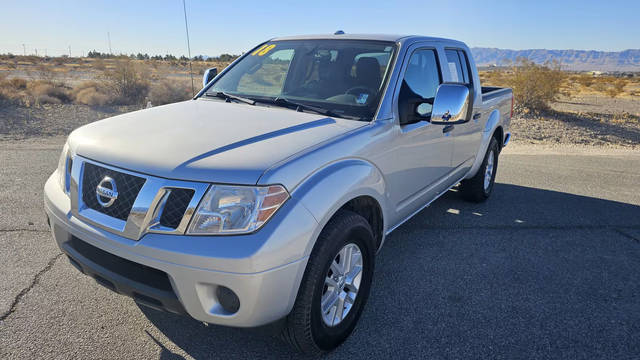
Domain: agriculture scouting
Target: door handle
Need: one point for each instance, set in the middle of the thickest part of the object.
(477, 116)
(447, 128)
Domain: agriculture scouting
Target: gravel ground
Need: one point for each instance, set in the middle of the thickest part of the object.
(554, 127)
(19, 122)
(599, 104)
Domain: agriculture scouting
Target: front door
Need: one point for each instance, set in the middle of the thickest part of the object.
(421, 160)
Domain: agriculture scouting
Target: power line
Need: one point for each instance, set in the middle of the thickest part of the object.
(186, 27)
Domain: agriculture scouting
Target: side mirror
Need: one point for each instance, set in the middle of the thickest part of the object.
(209, 74)
(451, 105)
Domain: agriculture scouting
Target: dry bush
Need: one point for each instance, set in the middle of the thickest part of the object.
(613, 92)
(126, 83)
(619, 85)
(600, 86)
(99, 65)
(17, 83)
(584, 80)
(169, 91)
(90, 93)
(42, 92)
(46, 99)
(535, 86)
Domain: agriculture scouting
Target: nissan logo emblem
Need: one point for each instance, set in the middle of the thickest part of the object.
(106, 192)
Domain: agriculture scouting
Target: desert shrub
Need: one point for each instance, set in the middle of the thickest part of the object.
(46, 99)
(619, 85)
(16, 83)
(535, 86)
(99, 65)
(600, 86)
(90, 93)
(48, 93)
(168, 91)
(126, 83)
(91, 97)
(585, 80)
(613, 92)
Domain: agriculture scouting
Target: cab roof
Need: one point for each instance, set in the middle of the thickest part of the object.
(378, 37)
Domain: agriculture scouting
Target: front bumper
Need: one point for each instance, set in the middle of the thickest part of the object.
(182, 273)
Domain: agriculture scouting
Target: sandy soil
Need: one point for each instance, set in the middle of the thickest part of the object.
(19, 122)
(599, 104)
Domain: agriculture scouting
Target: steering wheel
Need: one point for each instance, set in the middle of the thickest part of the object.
(357, 90)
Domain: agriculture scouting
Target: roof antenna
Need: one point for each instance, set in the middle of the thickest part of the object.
(186, 26)
(339, 32)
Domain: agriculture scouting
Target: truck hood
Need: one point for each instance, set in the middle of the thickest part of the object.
(205, 140)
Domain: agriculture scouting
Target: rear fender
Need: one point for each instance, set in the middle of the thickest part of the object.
(487, 133)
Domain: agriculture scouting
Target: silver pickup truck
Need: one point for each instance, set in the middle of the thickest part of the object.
(266, 198)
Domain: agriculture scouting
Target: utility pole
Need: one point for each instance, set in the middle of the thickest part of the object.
(109, 39)
(24, 50)
(69, 50)
(36, 52)
(186, 26)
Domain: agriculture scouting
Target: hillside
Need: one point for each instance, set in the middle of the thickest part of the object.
(627, 60)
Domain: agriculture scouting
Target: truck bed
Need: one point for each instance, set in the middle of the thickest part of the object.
(492, 92)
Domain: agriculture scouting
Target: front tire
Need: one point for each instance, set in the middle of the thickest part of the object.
(335, 286)
(478, 188)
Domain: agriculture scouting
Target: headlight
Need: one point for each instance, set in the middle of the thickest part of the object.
(236, 209)
(64, 168)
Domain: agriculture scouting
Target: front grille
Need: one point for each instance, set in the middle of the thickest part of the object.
(128, 187)
(175, 207)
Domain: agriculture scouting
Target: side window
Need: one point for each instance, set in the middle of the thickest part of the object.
(465, 66)
(268, 76)
(421, 80)
(457, 63)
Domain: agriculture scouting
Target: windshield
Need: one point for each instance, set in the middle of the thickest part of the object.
(343, 77)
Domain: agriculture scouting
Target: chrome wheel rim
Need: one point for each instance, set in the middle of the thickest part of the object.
(341, 285)
(488, 171)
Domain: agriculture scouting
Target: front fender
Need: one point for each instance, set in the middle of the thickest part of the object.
(325, 191)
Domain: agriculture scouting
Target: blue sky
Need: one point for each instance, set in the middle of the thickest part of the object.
(157, 27)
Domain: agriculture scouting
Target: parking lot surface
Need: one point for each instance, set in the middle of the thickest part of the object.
(546, 268)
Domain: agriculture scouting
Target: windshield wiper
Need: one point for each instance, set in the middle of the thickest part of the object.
(284, 102)
(228, 97)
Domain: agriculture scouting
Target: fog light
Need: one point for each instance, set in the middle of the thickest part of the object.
(228, 299)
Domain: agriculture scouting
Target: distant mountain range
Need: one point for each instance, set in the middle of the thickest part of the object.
(627, 60)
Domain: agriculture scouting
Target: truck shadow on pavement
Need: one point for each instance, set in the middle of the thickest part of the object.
(529, 273)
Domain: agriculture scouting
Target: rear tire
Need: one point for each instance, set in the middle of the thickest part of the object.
(478, 188)
(347, 240)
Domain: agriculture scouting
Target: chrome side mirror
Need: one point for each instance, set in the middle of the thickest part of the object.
(451, 104)
(209, 74)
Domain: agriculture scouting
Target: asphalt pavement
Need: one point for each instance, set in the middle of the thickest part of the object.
(549, 267)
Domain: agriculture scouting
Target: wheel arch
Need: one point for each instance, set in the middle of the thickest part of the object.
(489, 132)
(351, 184)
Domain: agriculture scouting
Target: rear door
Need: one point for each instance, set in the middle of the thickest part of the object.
(467, 136)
